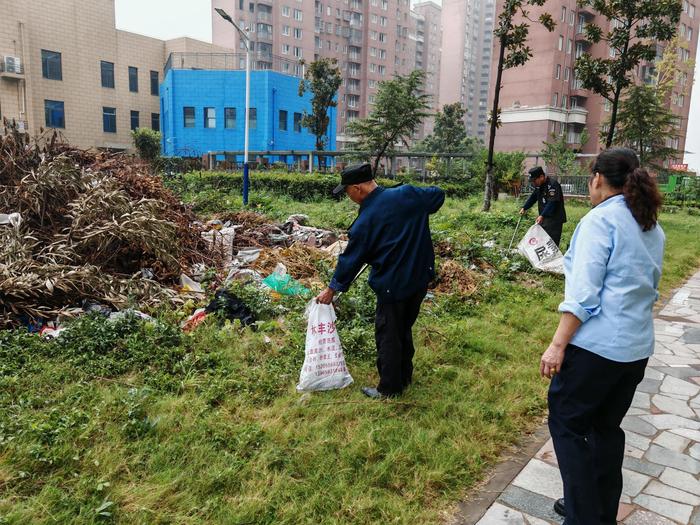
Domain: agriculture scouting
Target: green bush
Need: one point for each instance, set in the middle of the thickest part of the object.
(147, 143)
(298, 186)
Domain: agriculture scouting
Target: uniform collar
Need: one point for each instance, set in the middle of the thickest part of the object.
(372, 196)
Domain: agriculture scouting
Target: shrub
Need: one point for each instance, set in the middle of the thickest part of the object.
(147, 143)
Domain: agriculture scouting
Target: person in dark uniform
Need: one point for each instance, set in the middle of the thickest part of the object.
(550, 203)
(392, 235)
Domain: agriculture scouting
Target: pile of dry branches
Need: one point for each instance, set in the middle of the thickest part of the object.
(90, 222)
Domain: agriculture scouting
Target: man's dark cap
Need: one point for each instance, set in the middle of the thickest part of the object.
(536, 172)
(354, 175)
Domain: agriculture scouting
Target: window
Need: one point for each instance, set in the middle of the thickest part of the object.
(134, 120)
(555, 100)
(561, 42)
(107, 72)
(298, 15)
(569, 46)
(563, 14)
(567, 73)
(282, 120)
(51, 65)
(109, 120)
(557, 71)
(285, 49)
(209, 118)
(188, 116)
(133, 79)
(297, 33)
(253, 118)
(298, 52)
(154, 83)
(563, 102)
(54, 114)
(285, 10)
(285, 30)
(229, 118)
(155, 121)
(297, 122)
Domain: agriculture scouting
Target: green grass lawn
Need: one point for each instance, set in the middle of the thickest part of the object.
(132, 423)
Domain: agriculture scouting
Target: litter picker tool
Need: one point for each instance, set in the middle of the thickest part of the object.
(514, 233)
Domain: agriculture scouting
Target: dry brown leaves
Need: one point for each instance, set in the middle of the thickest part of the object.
(301, 260)
(452, 277)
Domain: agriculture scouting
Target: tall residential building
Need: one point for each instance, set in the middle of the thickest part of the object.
(543, 97)
(465, 69)
(369, 38)
(65, 66)
(428, 41)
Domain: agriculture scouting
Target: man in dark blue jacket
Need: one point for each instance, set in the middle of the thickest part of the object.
(550, 203)
(391, 234)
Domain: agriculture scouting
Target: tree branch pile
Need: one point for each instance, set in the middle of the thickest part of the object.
(90, 223)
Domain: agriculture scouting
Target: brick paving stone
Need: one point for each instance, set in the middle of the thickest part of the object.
(644, 517)
(694, 451)
(680, 480)
(541, 478)
(681, 372)
(501, 515)
(633, 452)
(624, 510)
(547, 454)
(651, 373)
(642, 412)
(670, 509)
(635, 424)
(633, 482)
(668, 421)
(672, 441)
(534, 504)
(693, 435)
(672, 360)
(674, 385)
(641, 400)
(650, 469)
(661, 490)
(692, 336)
(672, 406)
(637, 440)
(669, 458)
(649, 385)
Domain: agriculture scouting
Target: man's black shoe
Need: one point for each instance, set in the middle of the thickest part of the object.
(559, 507)
(372, 392)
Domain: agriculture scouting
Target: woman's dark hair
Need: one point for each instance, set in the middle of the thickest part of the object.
(621, 169)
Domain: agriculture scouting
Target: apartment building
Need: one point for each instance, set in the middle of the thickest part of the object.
(427, 35)
(66, 67)
(465, 69)
(544, 97)
(370, 39)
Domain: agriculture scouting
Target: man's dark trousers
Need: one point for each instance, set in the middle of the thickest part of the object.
(553, 228)
(392, 331)
(587, 400)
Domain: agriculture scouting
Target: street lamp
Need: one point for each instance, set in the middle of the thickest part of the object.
(246, 42)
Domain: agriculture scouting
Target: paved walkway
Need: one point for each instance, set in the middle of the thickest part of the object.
(662, 456)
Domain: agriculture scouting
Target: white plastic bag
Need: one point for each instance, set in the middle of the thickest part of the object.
(324, 364)
(541, 251)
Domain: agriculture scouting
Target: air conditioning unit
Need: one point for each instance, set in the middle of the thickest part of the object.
(12, 65)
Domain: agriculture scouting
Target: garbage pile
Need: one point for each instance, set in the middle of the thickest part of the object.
(86, 226)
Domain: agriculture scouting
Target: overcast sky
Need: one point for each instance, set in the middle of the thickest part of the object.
(174, 18)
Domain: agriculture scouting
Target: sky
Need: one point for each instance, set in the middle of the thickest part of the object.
(176, 18)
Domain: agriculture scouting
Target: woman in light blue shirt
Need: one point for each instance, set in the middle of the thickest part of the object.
(605, 336)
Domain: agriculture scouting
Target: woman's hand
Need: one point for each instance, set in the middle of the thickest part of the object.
(551, 360)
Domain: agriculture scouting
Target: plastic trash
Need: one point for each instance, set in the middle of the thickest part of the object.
(245, 275)
(188, 285)
(281, 282)
(231, 307)
(324, 363)
(116, 316)
(13, 219)
(194, 320)
(541, 251)
(336, 249)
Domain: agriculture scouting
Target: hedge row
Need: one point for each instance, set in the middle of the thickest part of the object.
(302, 187)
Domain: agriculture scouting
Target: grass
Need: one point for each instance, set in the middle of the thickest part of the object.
(131, 423)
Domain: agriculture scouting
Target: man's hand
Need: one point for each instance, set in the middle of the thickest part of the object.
(326, 296)
(551, 360)
(539, 219)
(523, 211)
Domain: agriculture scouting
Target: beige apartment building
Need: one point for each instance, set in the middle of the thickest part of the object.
(427, 34)
(65, 66)
(465, 69)
(371, 40)
(544, 97)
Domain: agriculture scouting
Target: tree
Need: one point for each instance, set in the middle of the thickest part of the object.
(635, 29)
(322, 79)
(645, 121)
(399, 109)
(513, 51)
(449, 132)
(560, 158)
(147, 143)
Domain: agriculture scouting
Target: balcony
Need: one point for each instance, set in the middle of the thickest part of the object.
(577, 90)
(582, 38)
(577, 116)
(264, 16)
(586, 10)
(264, 36)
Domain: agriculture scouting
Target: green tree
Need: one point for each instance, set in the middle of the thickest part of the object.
(400, 107)
(322, 79)
(512, 32)
(560, 158)
(449, 132)
(645, 120)
(635, 29)
(147, 143)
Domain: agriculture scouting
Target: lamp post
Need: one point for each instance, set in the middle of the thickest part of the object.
(246, 42)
